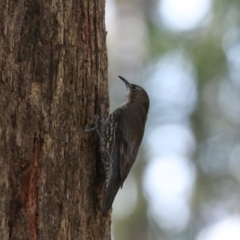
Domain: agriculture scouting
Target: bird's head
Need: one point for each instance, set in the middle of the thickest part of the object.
(136, 94)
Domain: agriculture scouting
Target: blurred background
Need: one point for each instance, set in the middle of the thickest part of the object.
(185, 184)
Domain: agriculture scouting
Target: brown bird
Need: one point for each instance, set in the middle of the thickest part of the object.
(121, 136)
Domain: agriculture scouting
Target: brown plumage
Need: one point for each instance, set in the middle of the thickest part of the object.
(121, 136)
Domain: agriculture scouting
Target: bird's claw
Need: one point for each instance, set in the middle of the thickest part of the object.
(95, 128)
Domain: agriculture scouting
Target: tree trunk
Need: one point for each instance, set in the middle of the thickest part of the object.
(53, 80)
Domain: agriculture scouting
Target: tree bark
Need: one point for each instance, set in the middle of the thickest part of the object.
(53, 80)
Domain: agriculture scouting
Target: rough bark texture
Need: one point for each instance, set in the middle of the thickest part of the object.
(53, 80)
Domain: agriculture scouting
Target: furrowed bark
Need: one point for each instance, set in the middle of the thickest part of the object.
(53, 80)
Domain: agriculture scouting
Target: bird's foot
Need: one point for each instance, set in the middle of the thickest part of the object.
(95, 128)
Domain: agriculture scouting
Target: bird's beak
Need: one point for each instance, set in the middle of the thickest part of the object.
(125, 81)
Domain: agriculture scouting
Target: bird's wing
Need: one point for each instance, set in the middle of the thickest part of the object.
(128, 137)
(120, 151)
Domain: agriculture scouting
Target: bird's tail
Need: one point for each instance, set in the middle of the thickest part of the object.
(109, 197)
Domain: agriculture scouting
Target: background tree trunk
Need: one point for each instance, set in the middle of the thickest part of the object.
(53, 80)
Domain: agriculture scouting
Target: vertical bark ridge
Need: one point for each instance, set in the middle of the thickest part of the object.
(53, 80)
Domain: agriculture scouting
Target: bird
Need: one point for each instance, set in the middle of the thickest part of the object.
(120, 139)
